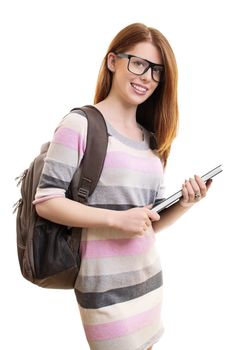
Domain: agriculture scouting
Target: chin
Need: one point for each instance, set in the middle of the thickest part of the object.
(133, 99)
(138, 100)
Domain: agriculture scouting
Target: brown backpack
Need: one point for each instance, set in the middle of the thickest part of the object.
(48, 252)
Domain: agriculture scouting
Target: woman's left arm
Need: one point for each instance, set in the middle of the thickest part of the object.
(193, 191)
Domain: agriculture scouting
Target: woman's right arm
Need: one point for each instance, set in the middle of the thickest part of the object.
(63, 157)
(67, 212)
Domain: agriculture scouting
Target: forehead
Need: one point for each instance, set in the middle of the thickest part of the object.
(147, 51)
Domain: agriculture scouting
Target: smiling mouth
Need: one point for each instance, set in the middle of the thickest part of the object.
(138, 88)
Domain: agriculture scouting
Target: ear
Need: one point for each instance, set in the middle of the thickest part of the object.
(111, 61)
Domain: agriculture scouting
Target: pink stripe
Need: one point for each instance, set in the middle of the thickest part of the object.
(122, 327)
(121, 160)
(116, 247)
(69, 138)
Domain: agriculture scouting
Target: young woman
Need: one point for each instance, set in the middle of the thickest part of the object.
(119, 287)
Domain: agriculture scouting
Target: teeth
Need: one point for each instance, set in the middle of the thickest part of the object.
(139, 88)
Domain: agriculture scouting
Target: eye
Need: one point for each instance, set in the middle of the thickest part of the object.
(158, 70)
(139, 63)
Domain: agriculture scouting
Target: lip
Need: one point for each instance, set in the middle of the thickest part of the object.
(139, 88)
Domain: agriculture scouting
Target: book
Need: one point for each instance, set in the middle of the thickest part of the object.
(165, 203)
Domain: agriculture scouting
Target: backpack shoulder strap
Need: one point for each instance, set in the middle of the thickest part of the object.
(83, 186)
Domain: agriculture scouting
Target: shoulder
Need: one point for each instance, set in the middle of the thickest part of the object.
(71, 131)
(75, 121)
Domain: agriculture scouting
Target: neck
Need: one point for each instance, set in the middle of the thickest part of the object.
(115, 111)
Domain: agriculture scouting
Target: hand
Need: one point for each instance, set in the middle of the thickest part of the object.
(136, 220)
(193, 191)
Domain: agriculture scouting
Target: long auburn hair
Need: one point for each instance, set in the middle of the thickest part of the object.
(159, 113)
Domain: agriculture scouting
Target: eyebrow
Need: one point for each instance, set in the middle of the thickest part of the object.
(151, 63)
(128, 55)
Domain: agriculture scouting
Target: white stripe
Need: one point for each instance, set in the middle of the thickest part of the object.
(118, 146)
(122, 310)
(128, 178)
(74, 121)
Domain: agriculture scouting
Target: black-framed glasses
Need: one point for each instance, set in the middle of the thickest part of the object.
(139, 66)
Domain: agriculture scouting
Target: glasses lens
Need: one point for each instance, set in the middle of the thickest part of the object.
(157, 73)
(137, 65)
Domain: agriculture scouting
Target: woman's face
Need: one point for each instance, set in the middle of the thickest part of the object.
(134, 89)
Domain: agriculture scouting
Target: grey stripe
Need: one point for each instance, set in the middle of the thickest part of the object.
(49, 181)
(113, 206)
(122, 194)
(140, 145)
(118, 295)
(59, 153)
(120, 280)
(57, 170)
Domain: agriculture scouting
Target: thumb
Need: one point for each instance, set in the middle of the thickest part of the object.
(208, 183)
(149, 206)
(153, 215)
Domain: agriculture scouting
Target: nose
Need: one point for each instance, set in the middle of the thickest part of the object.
(147, 75)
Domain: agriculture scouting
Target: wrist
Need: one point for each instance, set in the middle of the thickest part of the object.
(112, 219)
(184, 205)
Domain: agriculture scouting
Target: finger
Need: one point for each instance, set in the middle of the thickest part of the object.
(185, 194)
(185, 201)
(143, 230)
(201, 185)
(146, 216)
(148, 222)
(190, 190)
(153, 215)
(194, 185)
(196, 189)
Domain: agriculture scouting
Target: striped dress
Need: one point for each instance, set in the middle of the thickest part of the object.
(119, 286)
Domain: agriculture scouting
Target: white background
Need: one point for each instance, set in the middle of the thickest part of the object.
(51, 52)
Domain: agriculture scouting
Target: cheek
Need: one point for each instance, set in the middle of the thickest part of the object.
(153, 88)
(122, 79)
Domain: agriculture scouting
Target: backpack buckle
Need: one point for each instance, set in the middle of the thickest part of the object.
(83, 193)
(84, 189)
